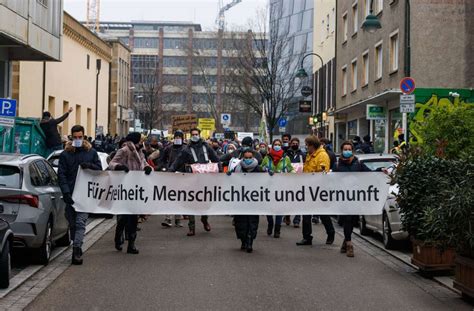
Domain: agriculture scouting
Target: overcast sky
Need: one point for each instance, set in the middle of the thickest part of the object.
(203, 12)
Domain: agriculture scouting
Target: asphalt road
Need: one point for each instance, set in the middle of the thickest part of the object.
(209, 272)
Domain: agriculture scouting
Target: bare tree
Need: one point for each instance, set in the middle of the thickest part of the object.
(264, 73)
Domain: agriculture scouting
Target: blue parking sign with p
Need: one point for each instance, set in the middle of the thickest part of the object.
(7, 107)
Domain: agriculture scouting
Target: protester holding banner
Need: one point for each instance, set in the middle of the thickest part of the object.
(246, 226)
(348, 162)
(317, 160)
(129, 158)
(247, 142)
(77, 152)
(197, 152)
(276, 162)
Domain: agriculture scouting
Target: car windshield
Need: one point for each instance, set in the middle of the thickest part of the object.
(378, 164)
(9, 176)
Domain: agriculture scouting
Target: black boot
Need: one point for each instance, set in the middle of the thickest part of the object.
(276, 234)
(76, 256)
(270, 229)
(118, 239)
(330, 238)
(131, 249)
(249, 245)
(244, 244)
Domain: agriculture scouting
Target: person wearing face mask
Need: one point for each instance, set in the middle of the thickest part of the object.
(348, 162)
(247, 142)
(246, 226)
(217, 148)
(263, 149)
(285, 141)
(317, 160)
(196, 152)
(129, 158)
(276, 162)
(296, 155)
(78, 152)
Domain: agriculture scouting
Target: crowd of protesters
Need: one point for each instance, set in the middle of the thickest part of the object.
(182, 153)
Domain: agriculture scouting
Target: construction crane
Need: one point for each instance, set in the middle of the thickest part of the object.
(220, 21)
(93, 15)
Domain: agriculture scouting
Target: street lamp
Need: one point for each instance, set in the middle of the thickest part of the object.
(301, 73)
(371, 23)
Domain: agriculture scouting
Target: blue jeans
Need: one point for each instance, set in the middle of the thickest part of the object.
(77, 225)
(278, 220)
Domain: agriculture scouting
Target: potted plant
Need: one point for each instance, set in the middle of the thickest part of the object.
(435, 182)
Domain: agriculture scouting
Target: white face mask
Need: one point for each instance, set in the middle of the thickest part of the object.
(195, 139)
(178, 141)
(77, 143)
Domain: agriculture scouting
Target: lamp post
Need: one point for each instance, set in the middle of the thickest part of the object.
(371, 23)
(302, 74)
(135, 112)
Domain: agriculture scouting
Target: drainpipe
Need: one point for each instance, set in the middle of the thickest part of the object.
(110, 100)
(44, 88)
(407, 39)
(98, 66)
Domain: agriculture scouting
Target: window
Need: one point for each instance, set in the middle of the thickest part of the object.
(378, 61)
(378, 6)
(10, 176)
(355, 18)
(394, 51)
(354, 74)
(146, 43)
(344, 26)
(365, 64)
(344, 81)
(88, 61)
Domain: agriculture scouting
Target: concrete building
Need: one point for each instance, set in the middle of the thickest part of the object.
(324, 69)
(80, 81)
(120, 112)
(423, 39)
(294, 19)
(29, 30)
(179, 69)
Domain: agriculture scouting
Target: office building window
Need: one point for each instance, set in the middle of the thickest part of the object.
(354, 74)
(355, 18)
(378, 60)
(365, 64)
(394, 44)
(344, 81)
(345, 26)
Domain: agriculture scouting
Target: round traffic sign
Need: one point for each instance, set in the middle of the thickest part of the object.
(225, 117)
(407, 85)
(282, 122)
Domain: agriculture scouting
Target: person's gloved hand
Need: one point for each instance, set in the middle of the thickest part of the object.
(229, 173)
(122, 167)
(270, 172)
(86, 166)
(67, 198)
(148, 170)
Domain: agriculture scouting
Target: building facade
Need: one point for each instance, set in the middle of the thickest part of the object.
(176, 69)
(29, 30)
(294, 20)
(80, 81)
(370, 66)
(324, 67)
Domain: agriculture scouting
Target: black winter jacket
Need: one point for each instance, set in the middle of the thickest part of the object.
(50, 130)
(69, 162)
(186, 156)
(168, 156)
(354, 166)
(297, 156)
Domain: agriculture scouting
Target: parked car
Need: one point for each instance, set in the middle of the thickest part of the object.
(33, 204)
(6, 237)
(388, 223)
(53, 159)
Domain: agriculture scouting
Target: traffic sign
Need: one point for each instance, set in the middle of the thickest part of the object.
(282, 122)
(7, 107)
(282, 129)
(407, 103)
(7, 122)
(407, 85)
(225, 119)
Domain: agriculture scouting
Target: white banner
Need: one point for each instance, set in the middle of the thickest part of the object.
(239, 194)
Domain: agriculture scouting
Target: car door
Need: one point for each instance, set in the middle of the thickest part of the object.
(46, 194)
(61, 222)
(10, 191)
